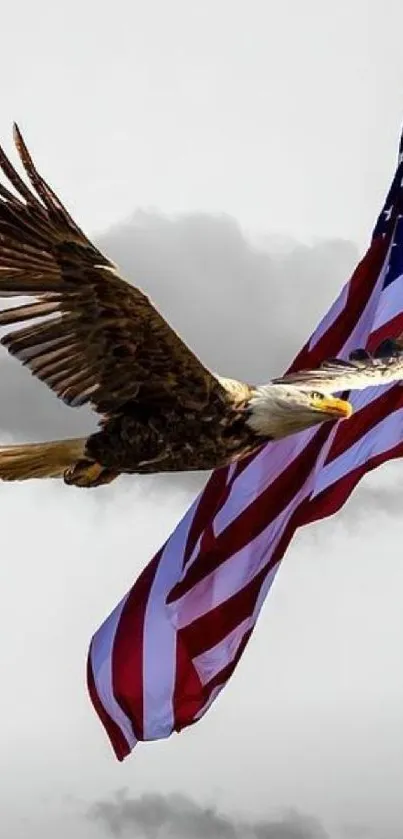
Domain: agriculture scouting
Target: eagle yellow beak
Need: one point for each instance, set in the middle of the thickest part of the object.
(334, 408)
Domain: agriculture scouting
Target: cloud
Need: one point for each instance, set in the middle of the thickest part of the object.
(244, 308)
(154, 815)
(368, 499)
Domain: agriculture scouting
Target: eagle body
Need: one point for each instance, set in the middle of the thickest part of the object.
(169, 440)
(95, 339)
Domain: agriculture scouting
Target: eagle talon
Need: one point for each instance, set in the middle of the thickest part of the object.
(86, 474)
(67, 476)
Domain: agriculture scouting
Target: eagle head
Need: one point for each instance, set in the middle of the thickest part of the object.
(275, 411)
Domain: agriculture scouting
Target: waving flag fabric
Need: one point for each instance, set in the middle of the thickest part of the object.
(170, 646)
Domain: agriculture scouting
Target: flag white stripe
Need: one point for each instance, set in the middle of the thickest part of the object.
(390, 303)
(159, 643)
(209, 663)
(213, 695)
(332, 315)
(364, 326)
(241, 567)
(382, 437)
(261, 472)
(361, 398)
(101, 662)
(235, 573)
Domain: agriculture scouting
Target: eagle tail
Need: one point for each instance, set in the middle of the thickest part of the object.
(40, 460)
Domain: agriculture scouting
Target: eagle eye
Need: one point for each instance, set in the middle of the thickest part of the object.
(316, 395)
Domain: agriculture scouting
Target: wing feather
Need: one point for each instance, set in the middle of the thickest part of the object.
(89, 335)
(362, 371)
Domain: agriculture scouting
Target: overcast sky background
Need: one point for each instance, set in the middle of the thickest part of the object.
(232, 156)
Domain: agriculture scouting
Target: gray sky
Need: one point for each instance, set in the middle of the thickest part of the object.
(272, 129)
(178, 815)
(284, 115)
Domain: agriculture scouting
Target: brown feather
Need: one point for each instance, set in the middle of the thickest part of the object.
(112, 345)
(39, 460)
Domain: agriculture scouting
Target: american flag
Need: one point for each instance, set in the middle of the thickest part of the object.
(170, 646)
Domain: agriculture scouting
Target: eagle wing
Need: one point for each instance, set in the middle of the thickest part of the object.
(361, 371)
(88, 334)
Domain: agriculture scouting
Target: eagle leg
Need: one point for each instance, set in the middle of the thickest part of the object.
(86, 473)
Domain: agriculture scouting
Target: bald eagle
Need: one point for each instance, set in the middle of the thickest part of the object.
(94, 338)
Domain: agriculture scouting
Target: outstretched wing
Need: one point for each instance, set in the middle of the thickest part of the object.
(88, 334)
(363, 370)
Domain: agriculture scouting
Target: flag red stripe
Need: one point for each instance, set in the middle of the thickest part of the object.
(334, 497)
(118, 741)
(187, 715)
(188, 697)
(258, 515)
(211, 628)
(218, 623)
(127, 657)
(216, 491)
(392, 329)
(363, 420)
(361, 287)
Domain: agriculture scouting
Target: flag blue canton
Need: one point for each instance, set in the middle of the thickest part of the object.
(393, 207)
(395, 264)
